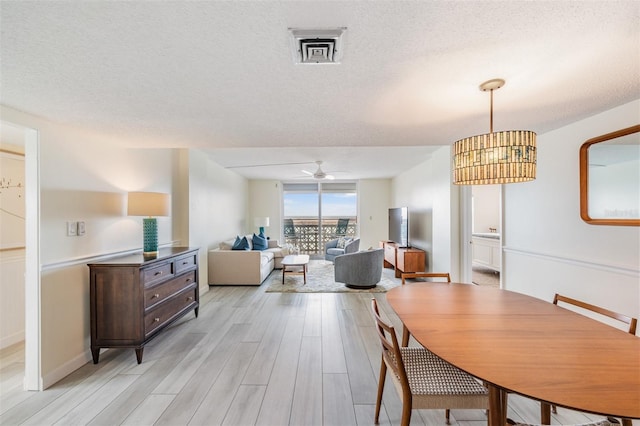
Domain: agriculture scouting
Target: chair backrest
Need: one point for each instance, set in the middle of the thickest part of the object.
(444, 275)
(341, 227)
(289, 229)
(390, 347)
(632, 322)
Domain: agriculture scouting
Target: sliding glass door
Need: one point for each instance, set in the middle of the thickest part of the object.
(317, 212)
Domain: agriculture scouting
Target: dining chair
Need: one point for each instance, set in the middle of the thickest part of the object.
(423, 380)
(289, 231)
(600, 423)
(341, 227)
(545, 408)
(405, 331)
(630, 321)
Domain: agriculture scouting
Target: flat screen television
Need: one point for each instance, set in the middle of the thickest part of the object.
(399, 226)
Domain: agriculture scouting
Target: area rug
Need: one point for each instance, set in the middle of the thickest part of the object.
(320, 280)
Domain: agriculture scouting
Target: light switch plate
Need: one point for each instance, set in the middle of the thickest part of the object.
(72, 229)
(81, 228)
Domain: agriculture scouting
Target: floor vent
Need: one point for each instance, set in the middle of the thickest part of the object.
(317, 46)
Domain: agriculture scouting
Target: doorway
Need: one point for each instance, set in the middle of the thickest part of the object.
(28, 281)
(483, 224)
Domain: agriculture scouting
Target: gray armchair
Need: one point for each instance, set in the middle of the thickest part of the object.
(331, 249)
(360, 270)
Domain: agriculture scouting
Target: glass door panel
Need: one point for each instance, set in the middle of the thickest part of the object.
(315, 213)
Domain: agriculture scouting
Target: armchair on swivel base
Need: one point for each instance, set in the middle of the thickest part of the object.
(331, 249)
(359, 270)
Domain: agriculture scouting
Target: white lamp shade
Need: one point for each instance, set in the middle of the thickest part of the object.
(261, 221)
(148, 204)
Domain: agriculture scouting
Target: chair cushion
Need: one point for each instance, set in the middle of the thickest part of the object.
(335, 251)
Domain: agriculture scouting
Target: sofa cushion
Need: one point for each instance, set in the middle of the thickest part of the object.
(266, 257)
(241, 244)
(259, 242)
(226, 245)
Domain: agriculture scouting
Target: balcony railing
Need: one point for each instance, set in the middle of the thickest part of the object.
(310, 237)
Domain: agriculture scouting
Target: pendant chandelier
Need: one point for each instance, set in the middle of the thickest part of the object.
(501, 157)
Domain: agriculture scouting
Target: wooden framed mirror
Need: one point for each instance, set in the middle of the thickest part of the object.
(610, 178)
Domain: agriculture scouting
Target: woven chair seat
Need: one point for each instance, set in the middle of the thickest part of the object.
(430, 375)
(600, 423)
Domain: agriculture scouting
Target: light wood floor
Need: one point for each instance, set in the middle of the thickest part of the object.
(251, 358)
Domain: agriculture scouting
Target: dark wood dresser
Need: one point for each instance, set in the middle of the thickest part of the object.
(133, 298)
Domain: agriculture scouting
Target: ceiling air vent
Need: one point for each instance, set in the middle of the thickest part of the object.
(317, 46)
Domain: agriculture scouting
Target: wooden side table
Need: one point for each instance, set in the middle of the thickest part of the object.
(403, 259)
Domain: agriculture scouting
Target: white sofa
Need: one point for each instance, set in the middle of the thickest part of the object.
(243, 267)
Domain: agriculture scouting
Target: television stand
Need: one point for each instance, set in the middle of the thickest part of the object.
(403, 259)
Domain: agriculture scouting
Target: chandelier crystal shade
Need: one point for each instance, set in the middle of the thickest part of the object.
(495, 157)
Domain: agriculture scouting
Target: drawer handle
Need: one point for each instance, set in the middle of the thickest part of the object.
(185, 263)
(159, 273)
(156, 320)
(155, 296)
(190, 298)
(188, 279)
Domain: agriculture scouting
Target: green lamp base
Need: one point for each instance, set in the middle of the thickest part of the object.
(149, 237)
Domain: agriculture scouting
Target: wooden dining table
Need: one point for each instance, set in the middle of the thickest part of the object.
(522, 344)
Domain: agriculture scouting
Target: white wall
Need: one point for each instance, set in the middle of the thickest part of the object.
(486, 207)
(217, 205)
(548, 248)
(265, 200)
(374, 196)
(11, 297)
(433, 210)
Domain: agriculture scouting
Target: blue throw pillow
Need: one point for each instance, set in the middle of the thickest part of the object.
(260, 242)
(240, 244)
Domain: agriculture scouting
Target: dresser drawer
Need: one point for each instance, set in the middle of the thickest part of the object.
(157, 274)
(390, 254)
(168, 310)
(186, 262)
(158, 293)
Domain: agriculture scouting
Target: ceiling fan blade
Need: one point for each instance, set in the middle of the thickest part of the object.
(266, 165)
(307, 172)
(330, 177)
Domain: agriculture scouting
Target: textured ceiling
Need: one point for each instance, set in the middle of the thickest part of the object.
(220, 75)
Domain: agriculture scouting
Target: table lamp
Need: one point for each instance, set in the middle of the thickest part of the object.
(149, 204)
(261, 222)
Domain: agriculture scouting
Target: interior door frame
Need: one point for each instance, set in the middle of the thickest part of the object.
(466, 233)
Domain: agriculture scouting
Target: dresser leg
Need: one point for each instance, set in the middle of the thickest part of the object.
(95, 353)
(196, 311)
(139, 354)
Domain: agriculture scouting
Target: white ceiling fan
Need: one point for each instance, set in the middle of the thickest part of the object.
(319, 174)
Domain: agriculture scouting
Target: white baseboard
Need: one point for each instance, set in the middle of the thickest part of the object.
(12, 339)
(65, 369)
